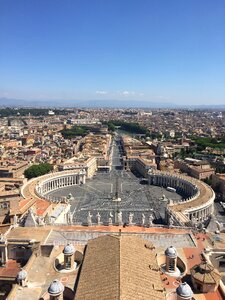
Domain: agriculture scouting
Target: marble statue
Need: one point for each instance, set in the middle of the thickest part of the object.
(89, 220)
(98, 218)
(2, 238)
(143, 220)
(69, 218)
(120, 217)
(15, 220)
(110, 218)
(130, 218)
(40, 221)
(150, 220)
(171, 221)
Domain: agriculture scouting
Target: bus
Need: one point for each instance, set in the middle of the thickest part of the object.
(170, 189)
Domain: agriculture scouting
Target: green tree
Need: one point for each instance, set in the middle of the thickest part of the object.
(38, 170)
(74, 131)
(208, 181)
(127, 126)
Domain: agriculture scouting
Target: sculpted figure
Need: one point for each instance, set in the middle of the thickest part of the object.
(110, 218)
(15, 220)
(2, 238)
(150, 220)
(98, 218)
(171, 221)
(130, 218)
(89, 220)
(40, 221)
(143, 220)
(119, 217)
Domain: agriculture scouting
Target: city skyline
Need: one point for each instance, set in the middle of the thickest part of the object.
(153, 51)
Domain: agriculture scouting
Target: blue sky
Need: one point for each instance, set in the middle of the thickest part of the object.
(147, 50)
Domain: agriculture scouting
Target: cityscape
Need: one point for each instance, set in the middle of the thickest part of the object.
(72, 176)
(112, 150)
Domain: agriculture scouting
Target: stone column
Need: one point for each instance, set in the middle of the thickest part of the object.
(197, 215)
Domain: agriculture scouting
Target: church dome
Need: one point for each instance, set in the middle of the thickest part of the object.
(56, 288)
(171, 252)
(69, 249)
(184, 290)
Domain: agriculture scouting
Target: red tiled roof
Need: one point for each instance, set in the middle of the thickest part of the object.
(10, 270)
(42, 206)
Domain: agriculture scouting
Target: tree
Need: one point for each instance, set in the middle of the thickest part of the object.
(127, 126)
(74, 131)
(37, 170)
(208, 181)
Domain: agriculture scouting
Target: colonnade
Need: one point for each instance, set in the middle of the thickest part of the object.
(202, 214)
(59, 181)
(189, 208)
(175, 182)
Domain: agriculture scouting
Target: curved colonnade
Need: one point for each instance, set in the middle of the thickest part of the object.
(39, 187)
(197, 207)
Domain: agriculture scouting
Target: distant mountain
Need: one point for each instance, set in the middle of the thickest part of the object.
(210, 106)
(123, 104)
(6, 102)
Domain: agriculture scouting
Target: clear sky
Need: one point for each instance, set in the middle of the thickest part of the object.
(147, 50)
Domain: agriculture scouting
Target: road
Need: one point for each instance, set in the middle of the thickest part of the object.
(116, 155)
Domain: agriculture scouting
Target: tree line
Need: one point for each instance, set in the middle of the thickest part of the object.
(74, 131)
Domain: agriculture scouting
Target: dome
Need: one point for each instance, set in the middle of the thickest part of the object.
(22, 275)
(184, 290)
(171, 252)
(69, 249)
(56, 288)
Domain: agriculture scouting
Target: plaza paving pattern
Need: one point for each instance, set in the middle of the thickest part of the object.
(98, 193)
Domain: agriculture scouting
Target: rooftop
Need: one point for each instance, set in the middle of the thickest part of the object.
(119, 267)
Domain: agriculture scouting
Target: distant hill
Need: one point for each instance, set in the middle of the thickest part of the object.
(6, 102)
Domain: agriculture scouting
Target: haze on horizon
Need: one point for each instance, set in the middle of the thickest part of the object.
(157, 51)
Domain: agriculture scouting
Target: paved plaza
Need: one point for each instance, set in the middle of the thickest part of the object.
(98, 195)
